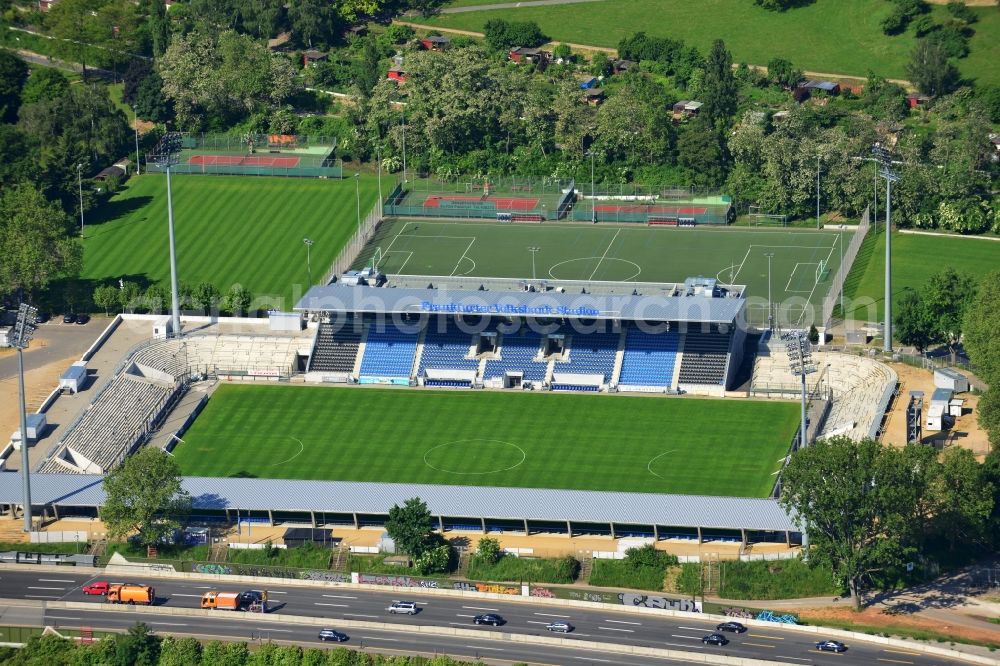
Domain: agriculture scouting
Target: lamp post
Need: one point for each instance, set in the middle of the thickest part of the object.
(357, 196)
(136, 114)
(378, 158)
(818, 157)
(170, 144)
(533, 249)
(20, 337)
(79, 185)
(770, 303)
(885, 170)
(404, 145)
(593, 200)
(309, 243)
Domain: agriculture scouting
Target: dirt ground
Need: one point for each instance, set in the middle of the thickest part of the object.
(38, 383)
(966, 431)
(874, 616)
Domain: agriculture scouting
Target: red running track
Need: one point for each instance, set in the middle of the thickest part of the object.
(250, 160)
(615, 208)
(501, 203)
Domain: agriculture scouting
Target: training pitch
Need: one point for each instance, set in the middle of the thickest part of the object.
(621, 253)
(607, 443)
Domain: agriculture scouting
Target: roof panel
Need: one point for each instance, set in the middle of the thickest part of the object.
(537, 504)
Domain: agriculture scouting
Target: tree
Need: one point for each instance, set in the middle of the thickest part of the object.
(488, 551)
(314, 22)
(144, 496)
(719, 88)
(502, 35)
(964, 498)
(782, 73)
(155, 299)
(930, 70)
(913, 325)
(365, 71)
(988, 415)
(105, 297)
(842, 493)
(179, 651)
(434, 559)
(946, 296)
(130, 296)
(75, 27)
(777, 5)
(33, 242)
(701, 154)
(207, 296)
(159, 27)
(411, 527)
(45, 85)
(980, 326)
(238, 300)
(13, 74)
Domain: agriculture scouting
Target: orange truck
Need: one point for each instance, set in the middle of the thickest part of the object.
(234, 601)
(131, 594)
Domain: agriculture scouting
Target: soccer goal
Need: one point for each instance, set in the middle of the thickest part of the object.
(822, 271)
(761, 219)
(377, 257)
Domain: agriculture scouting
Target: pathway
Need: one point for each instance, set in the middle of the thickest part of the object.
(511, 5)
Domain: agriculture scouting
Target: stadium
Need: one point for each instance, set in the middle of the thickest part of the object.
(520, 378)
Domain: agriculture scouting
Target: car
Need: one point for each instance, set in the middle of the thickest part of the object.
(407, 607)
(69, 318)
(82, 319)
(831, 646)
(489, 618)
(332, 635)
(41, 317)
(560, 626)
(715, 639)
(734, 627)
(98, 588)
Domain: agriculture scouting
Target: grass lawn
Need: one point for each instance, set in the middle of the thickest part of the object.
(835, 36)
(914, 258)
(620, 253)
(607, 443)
(229, 229)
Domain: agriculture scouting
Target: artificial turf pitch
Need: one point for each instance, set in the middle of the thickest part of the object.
(630, 252)
(609, 443)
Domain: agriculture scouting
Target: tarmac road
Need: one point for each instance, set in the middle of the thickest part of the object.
(602, 625)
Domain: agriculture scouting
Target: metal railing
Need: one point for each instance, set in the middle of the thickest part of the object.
(832, 298)
(352, 249)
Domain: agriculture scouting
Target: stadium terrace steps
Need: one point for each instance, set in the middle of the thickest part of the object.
(705, 358)
(648, 360)
(449, 349)
(389, 353)
(616, 371)
(592, 354)
(336, 348)
(518, 352)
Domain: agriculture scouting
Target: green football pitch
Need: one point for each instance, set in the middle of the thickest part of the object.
(622, 253)
(480, 438)
(229, 230)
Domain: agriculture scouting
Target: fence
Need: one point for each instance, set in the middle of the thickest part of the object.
(354, 246)
(283, 155)
(250, 170)
(850, 254)
(510, 199)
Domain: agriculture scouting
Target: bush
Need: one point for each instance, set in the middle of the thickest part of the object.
(642, 569)
(510, 568)
(962, 12)
(488, 551)
(399, 34)
(784, 579)
(502, 35)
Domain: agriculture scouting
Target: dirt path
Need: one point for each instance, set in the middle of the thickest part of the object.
(511, 5)
(590, 48)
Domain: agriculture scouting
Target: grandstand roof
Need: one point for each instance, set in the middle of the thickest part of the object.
(546, 304)
(534, 504)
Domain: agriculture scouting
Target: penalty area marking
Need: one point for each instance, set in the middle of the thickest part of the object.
(788, 286)
(649, 465)
(520, 462)
(302, 447)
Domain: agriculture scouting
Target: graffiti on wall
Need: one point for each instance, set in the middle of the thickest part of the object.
(649, 601)
(396, 581)
(495, 588)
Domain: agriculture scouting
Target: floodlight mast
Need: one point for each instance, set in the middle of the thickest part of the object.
(884, 159)
(800, 363)
(23, 330)
(168, 157)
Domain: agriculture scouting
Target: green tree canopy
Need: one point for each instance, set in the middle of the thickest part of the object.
(144, 496)
(930, 70)
(981, 329)
(13, 74)
(411, 527)
(45, 85)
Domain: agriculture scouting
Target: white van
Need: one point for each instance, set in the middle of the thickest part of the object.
(408, 607)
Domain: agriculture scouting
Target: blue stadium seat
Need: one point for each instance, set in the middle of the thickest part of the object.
(592, 354)
(516, 353)
(446, 350)
(649, 358)
(388, 353)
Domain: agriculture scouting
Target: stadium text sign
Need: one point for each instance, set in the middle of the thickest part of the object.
(467, 308)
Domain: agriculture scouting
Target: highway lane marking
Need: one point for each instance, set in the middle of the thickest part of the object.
(271, 631)
(373, 638)
(758, 644)
(551, 615)
(912, 654)
(202, 587)
(495, 610)
(895, 661)
(40, 596)
(45, 588)
(773, 638)
(64, 617)
(177, 594)
(460, 615)
(359, 615)
(337, 596)
(535, 622)
(692, 628)
(685, 645)
(320, 603)
(781, 656)
(55, 580)
(170, 624)
(483, 647)
(697, 638)
(280, 592)
(605, 661)
(638, 624)
(628, 631)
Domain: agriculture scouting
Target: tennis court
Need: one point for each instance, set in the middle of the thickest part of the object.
(498, 203)
(799, 263)
(248, 160)
(248, 155)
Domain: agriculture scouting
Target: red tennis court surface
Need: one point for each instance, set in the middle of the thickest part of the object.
(501, 203)
(249, 160)
(616, 208)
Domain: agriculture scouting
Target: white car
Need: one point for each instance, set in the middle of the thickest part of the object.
(407, 607)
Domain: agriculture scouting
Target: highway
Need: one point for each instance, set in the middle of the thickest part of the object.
(600, 624)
